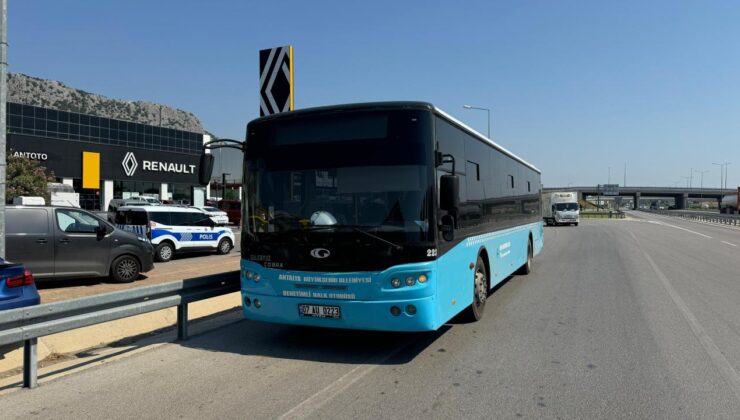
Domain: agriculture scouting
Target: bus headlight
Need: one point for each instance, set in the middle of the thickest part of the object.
(396, 283)
(257, 277)
(249, 275)
(422, 278)
(410, 281)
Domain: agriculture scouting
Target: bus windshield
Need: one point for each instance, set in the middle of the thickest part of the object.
(382, 197)
(363, 179)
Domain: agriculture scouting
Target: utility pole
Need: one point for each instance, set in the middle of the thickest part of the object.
(691, 178)
(624, 182)
(3, 126)
(223, 185)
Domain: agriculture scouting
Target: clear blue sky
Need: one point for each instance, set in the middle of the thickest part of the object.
(575, 86)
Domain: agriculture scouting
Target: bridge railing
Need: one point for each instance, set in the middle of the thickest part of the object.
(27, 324)
(716, 218)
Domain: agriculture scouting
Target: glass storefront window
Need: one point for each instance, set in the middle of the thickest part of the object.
(131, 189)
(89, 198)
(181, 193)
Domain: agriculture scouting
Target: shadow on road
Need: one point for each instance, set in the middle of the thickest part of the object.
(252, 338)
(43, 284)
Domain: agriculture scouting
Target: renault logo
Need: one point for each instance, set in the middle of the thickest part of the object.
(320, 253)
(129, 164)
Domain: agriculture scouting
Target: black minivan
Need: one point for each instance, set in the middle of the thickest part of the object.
(67, 242)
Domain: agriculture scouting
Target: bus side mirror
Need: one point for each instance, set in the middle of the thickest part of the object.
(205, 168)
(449, 192)
(447, 227)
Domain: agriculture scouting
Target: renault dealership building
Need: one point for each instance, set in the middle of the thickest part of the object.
(104, 158)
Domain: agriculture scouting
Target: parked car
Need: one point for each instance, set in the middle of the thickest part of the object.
(17, 286)
(151, 200)
(174, 229)
(233, 209)
(115, 203)
(17, 290)
(219, 217)
(67, 242)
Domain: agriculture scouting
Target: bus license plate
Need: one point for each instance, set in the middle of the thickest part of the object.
(319, 311)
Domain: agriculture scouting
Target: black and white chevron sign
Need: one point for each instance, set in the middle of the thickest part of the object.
(276, 80)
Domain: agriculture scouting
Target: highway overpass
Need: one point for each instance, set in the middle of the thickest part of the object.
(681, 195)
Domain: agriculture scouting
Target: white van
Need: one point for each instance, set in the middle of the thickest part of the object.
(175, 229)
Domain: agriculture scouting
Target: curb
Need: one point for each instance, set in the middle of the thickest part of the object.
(56, 346)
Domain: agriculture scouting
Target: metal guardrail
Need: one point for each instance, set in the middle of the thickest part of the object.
(28, 324)
(602, 214)
(717, 218)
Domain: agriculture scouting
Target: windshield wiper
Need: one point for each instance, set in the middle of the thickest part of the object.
(357, 229)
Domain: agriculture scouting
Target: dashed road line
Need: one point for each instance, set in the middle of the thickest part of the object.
(724, 367)
(728, 243)
(319, 399)
(679, 227)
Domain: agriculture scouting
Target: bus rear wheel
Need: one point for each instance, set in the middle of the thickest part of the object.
(527, 267)
(480, 292)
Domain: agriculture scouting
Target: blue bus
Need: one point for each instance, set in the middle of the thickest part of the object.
(380, 216)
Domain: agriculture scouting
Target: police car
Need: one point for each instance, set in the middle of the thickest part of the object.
(175, 229)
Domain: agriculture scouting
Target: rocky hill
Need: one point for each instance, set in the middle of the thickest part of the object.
(56, 95)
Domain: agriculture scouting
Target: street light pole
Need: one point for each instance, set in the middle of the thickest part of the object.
(488, 112)
(701, 187)
(3, 104)
(721, 174)
(726, 165)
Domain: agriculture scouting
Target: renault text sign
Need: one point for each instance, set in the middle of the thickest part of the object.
(130, 164)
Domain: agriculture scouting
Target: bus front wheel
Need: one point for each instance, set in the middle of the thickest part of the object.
(480, 292)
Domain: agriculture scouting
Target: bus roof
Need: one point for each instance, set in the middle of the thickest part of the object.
(399, 105)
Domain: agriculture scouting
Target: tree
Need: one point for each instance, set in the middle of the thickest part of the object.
(26, 178)
(232, 194)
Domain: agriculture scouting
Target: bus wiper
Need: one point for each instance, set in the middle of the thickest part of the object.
(378, 238)
(357, 229)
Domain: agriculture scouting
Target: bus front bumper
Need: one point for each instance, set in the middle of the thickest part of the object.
(412, 315)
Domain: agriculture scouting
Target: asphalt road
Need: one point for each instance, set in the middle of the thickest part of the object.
(636, 318)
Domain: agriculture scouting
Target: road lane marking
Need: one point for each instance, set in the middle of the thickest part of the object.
(679, 227)
(728, 243)
(317, 400)
(715, 354)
